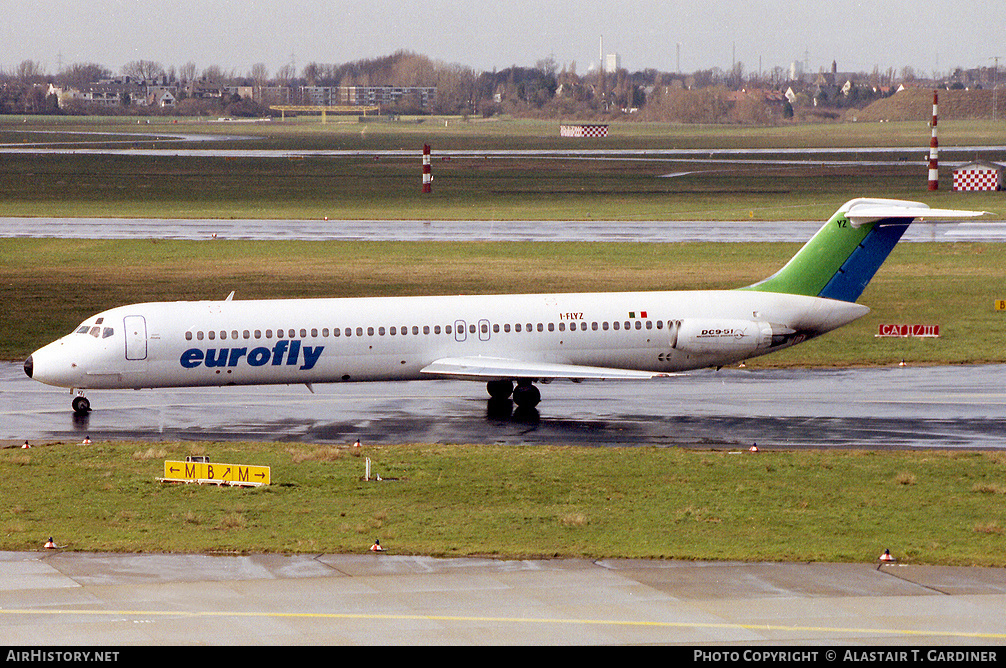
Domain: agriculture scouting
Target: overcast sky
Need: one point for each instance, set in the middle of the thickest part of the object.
(928, 35)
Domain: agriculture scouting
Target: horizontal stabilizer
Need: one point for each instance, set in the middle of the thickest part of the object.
(863, 211)
(495, 368)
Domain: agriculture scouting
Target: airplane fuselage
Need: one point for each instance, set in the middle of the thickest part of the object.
(167, 344)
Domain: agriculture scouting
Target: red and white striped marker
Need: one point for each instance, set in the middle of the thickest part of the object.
(427, 170)
(934, 172)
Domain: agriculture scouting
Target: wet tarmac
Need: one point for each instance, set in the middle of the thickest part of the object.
(463, 230)
(876, 408)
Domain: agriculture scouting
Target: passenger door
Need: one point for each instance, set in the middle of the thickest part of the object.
(135, 329)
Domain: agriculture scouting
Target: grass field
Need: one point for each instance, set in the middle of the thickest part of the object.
(517, 502)
(473, 187)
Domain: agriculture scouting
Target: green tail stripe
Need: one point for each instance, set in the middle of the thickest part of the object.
(810, 270)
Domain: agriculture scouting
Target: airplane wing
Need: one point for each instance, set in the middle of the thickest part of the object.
(493, 368)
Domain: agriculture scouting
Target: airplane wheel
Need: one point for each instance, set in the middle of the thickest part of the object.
(499, 389)
(81, 406)
(526, 396)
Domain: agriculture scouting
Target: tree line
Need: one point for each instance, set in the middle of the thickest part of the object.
(544, 90)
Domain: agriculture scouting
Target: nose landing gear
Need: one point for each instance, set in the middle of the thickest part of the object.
(81, 406)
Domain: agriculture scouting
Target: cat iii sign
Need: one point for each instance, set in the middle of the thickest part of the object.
(930, 331)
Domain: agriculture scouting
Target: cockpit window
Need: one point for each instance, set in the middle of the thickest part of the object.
(107, 332)
(83, 329)
(95, 331)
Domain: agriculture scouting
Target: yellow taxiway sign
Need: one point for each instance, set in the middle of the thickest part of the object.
(217, 473)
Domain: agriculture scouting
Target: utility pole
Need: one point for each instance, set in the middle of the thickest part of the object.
(995, 87)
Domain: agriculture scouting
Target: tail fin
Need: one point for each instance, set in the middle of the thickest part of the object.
(839, 261)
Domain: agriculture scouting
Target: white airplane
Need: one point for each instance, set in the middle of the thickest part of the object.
(508, 341)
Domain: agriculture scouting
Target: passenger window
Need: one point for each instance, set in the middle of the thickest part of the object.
(627, 324)
(303, 334)
(516, 327)
(604, 325)
(380, 330)
(639, 324)
(293, 333)
(415, 329)
(246, 334)
(336, 331)
(436, 329)
(324, 333)
(279, 334)
(268, 333)
(447, 329)
(359, 331)
(615, 325)
(426, 329)
(188, 336)
(593, 326)
(393, 331)
(199, 336)
(506, 328)
(234, 334)
(496, 329)
(660, 324)
(551, 327)
(370, 331)
(211, 334)
(471, 329)
(314, 333)
(223, 335)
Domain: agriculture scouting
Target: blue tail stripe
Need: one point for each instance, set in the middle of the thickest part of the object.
(851, 279)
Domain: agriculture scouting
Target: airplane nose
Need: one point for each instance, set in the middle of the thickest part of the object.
(29, 366)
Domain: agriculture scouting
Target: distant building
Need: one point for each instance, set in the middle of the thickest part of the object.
(979, 176)
(108, 93)
(366, 96)
(796, 71)
(611, 63)
(202, 89)
(264, 95)
(160, 97)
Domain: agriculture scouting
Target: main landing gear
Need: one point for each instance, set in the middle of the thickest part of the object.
(81, 406)
(525, 395)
